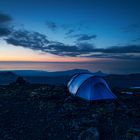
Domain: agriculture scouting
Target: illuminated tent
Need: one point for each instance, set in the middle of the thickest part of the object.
(90, 87)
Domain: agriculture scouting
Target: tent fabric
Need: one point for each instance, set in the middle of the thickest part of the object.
(73, 77)
(90, 87)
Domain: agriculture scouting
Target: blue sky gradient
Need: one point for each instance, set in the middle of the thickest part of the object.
(80, 30)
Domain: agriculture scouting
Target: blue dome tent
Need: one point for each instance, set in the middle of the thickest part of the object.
(90, 87)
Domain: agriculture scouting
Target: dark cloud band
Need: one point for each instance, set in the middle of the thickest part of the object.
(37, 41)
(40, 42)
(5, 21)
(83, 37)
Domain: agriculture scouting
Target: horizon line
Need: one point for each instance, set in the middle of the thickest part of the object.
(50, 61)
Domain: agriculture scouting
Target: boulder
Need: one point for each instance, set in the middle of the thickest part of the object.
(69, 107)
(133, 134)
(89, 134)
(20, 81)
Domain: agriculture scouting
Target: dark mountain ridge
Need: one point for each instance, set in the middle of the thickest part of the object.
(62, 77)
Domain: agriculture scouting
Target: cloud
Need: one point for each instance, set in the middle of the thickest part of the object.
(70, 50)
(83, 37)
(4, 18)
(4, 31)
(70, 31)
(39, 42)
(127, 56)
(67, 28)
(122, 49)
(117, 52)
(5, 21)
(52, 25)
(131, 28)
(27, 39)
(136, 39)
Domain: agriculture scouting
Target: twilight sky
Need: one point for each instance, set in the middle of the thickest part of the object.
(70, 30)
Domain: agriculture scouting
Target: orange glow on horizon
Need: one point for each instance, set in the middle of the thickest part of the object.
(13, 53)
(50, 59)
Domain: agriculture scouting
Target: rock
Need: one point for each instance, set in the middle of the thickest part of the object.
(42, 105)
(20, 81)
(69, 99)
(133, 134)
(69, 107)
(89, 134)
(33, 94)
(110, 107)
(95, 116)
(135, 131)
(62, 116)
(87, 122)
(74, 124)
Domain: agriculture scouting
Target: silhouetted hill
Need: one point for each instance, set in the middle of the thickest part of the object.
(100, 73)
(55, 78)
(7, 77)
(40, 77)
(49, 74)
(123, 81)
(58, 80)
(62, 77)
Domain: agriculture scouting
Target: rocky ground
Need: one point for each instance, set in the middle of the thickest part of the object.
(45, 112)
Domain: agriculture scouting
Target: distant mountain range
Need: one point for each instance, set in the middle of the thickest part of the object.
(123, 81)
(7, 77)
(50, 74)
(62, 77)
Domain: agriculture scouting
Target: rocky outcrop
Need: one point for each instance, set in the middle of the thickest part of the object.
(133, 134)
(89, 134)
(50, 112)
